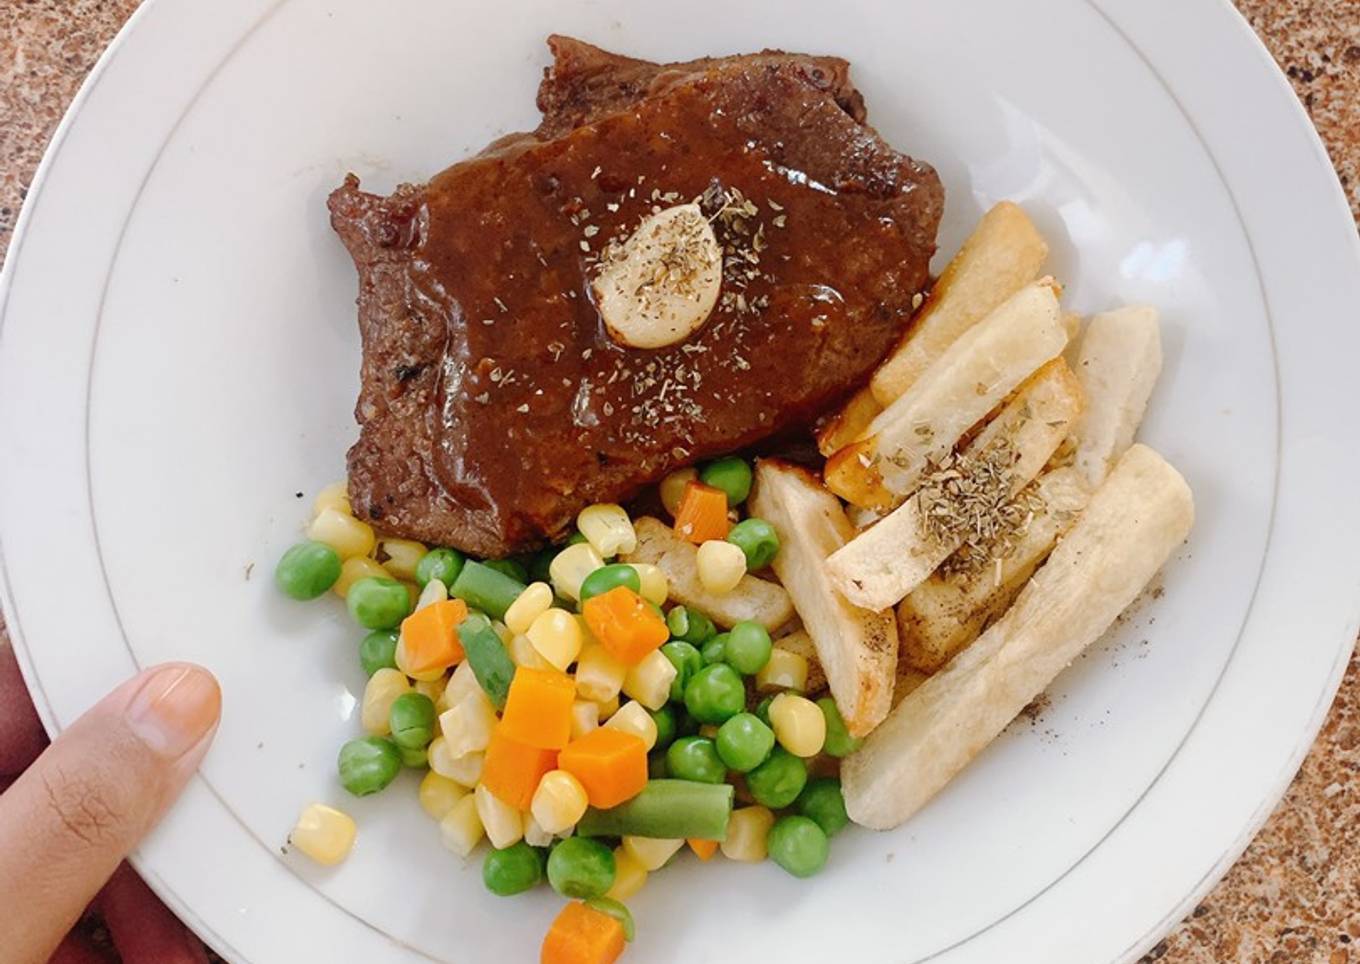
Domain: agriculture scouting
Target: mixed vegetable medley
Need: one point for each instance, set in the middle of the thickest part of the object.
(568, 712)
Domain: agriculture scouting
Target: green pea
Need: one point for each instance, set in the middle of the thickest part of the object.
(609, 577)
(695, 758)
(732, 475)
(666, 726)
(542, 560)
(416, 759)
(690, 625)
(687, 662)
(411, 720)
(378, 603)
(368, 764)
(744, 742)
(616, 910)
(839, 742)
(441, 564)
(823, 803)
(715, 650)
(307, 570)
(757, 539)
(763, 709)
(748, 648)
(510, 567)
(715, 694)
(512, 870)
(777, 782)
(378, 651)
(575, 539)
(581, 867)
(656, 766)
(798, 845)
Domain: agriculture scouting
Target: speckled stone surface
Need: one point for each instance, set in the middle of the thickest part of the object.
(1295, 894)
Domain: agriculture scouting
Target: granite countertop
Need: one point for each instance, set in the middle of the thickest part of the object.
(1295, 894)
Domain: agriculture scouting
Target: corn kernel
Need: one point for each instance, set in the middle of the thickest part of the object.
(501, 630)
(380, 693)
(585, 716)
(649, 682)
(324, 834)
(352, 570)
(535, 599)
(522, 653)
(629, 876)
(557, 636)
(438, 794)
(570, 567)
(504, 825)
(609, 707)
(461, 683)
(464, 770)
(432, 688)
(607, 528)
(599, 676)
(747, 830)
(655, 586)
(632, 718)
(785, 671)
(334, 496)
(467, 725)
(403, 555)
(434, 592)
(559, 801)
(342, 532)
(798, 724)
(461, 828)
(721, 566)
(651, 852)
(403, 664)
(534, 835)
(673, 488)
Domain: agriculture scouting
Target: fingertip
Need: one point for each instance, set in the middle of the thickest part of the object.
(174, 708)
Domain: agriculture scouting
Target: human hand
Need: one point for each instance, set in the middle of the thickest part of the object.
(74, 810)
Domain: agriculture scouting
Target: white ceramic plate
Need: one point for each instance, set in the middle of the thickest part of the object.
(178, 358)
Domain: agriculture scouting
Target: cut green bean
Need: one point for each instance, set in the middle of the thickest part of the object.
(486, 654)
(487, 589)
(668, 809)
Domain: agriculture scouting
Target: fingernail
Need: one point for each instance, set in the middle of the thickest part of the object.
(174, 709)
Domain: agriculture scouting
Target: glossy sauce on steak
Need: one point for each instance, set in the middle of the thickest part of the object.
(494, 405)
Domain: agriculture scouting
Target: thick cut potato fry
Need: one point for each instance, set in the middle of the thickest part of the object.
(1127, 532)
(977, 371)
(888, 560)
(1004, 252)
(857, 648)
(946, 612)
(849, 423)
(909, 679)
(754, 599)
(1118, 363)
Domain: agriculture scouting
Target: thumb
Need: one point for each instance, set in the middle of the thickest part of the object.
(90, 797)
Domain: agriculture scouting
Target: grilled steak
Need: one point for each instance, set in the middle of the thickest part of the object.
(494, 405)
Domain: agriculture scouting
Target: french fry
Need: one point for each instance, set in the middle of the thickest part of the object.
(888, 560)
(971, 378)
(849, 423)
(1118, 362)
(909, 679)
(946, 612)
(857, 648)
(1130, 528)
(753, 599)
(1004, 252)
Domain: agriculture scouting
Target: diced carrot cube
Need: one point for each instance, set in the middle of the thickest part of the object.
(702, 514)
(538, 709)
(582, 935)
(430, 636)
(704, 849)
(624, 624)
(611, 765)
(512, 770)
